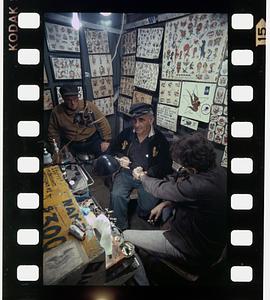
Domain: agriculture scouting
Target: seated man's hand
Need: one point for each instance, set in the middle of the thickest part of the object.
(124, 162)
(104, 146)
(156, 211)
(138, 173)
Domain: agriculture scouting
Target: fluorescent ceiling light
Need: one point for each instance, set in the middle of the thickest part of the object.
(105, 14)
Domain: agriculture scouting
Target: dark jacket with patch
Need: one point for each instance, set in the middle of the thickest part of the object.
(198, 227)
(159, 159)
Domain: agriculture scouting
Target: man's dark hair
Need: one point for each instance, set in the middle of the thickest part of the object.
(194, 151)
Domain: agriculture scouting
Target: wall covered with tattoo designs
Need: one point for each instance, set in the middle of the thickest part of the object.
(81, 57)
(177, 62)
(181, 69)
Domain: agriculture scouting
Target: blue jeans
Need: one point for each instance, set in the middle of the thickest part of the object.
(122, 187)
(90, 146)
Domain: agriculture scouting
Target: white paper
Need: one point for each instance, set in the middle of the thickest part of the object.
(97, 41)
(102, 86)
(47, 100)
(194, 47)
(66, 68)
(129, 42)
(169, 92)
(146, 75)
(139, 97)
(149, 42)
(128, 65)
(127, 86)
(189, 123)
(62, 38)
(105, 105)
(103, 226)
(100, 65)
(124, 104)
(167, 117)
(196, 100)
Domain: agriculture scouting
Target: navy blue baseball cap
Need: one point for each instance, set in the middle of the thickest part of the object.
(139, 109)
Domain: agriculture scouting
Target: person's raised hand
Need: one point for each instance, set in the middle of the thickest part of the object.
(124, 162)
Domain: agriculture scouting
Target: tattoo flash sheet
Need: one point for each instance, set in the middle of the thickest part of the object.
(101, 65)
(224, 160)
(167, 117)
(66, 68)
(194, 47)
(149, 42)
(102, 86)
(128, 65)
(97, 41)
(217, 128)
(105, 105)
(139, 97)
(129, 42)
(196, 100)
(47, 100)
(124, 104)
(62, 38)
(189, 123)
(169, 92)
(127, 86)
(146, 75)
(61, 100)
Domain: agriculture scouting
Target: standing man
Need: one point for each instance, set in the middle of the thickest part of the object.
(79, 123)
(139, 145)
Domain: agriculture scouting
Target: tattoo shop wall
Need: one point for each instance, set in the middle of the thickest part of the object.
(179, 63)
(82, 57)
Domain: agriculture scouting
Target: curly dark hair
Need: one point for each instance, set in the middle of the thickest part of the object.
(194, 151)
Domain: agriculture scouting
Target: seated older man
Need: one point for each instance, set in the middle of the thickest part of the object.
(93, 138)
(139, 145)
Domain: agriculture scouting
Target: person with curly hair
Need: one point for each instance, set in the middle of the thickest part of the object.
(197, 231)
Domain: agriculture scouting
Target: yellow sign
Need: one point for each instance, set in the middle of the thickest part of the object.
(261, 33)
(60, 209)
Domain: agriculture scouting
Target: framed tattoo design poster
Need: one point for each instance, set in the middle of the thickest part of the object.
(47, 100)
(129, 42)
(217, 128)
(62, 38)
(146, 75)
(167, 116)
(128, 65)
(169, 92)
(66, 68)
(224, 160)
(101, 65)
(149, 42)
(59, 96)
(196, 100)
(194, 47)
(97, 41)
(189, 123)
(105, 105)
(102, 86)
(127, 86)
(124, 104)
(139, 97)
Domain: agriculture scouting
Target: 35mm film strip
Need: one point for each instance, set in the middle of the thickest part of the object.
(24, 31)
